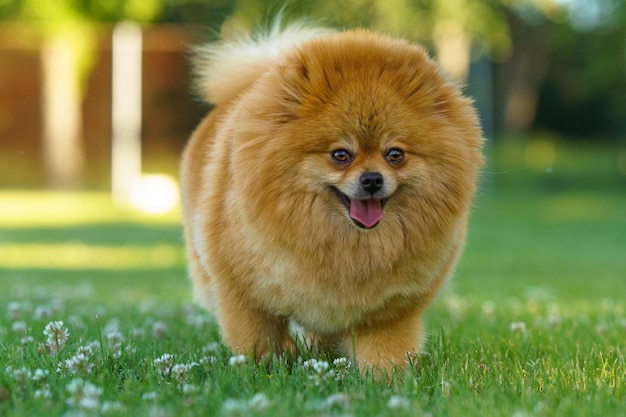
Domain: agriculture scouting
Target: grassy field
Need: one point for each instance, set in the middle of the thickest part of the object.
(533, 324)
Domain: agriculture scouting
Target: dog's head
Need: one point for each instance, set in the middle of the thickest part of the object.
(366, 127)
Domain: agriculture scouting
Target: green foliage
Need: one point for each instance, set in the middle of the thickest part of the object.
(62, 12)
(412, 19)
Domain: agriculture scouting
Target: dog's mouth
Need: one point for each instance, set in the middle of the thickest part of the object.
(364, 213)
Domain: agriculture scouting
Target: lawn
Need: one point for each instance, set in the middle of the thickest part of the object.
(533, 324)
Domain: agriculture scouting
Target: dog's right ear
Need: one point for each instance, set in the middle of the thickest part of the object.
(296, 87)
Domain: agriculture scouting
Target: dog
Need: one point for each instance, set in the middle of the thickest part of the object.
(330, 186)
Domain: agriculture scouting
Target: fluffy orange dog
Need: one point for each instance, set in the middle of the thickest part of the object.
(330, 186)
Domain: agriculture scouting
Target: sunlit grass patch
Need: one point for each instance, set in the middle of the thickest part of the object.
(576, 207)
(89, 257)
(40, 208)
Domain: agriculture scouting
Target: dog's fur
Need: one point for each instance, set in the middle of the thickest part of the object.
(273, 180)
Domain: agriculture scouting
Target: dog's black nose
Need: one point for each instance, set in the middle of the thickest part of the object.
(371, 181)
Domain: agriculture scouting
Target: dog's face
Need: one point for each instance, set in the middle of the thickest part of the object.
(364, 175)
(368, 152)
(360, 157)
(365, 181)
(361, 134)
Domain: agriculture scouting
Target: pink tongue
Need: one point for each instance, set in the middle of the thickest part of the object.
(366, 212)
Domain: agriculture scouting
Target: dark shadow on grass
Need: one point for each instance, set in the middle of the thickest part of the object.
(97, 234)
(96, 286)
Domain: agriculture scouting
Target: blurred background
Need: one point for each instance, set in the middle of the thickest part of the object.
(96, 105)
(549, 76)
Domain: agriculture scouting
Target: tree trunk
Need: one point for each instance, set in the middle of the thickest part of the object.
(522, 75)
(453, 47)
(62, 136)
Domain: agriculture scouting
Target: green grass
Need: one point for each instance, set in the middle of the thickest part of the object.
(533, 324)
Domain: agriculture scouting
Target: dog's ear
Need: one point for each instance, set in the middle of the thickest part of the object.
(296, 81)
(295, 88)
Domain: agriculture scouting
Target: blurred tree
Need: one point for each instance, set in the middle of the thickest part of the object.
(521, 75)
(453, 27)
(567, 68)
(68, 37)
(584, 92)
(560, 63)
(64, 59)
(535, 44)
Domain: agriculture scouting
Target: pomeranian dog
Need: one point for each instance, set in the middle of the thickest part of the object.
(330, 186)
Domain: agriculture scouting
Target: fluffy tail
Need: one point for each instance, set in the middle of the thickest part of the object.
(227, 67)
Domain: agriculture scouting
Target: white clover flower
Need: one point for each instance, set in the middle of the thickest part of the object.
(259, 402)
(189, 389)
(488, 308)
(237, 360)
(63, 367)
(337, 400)
(518, 327)
(138, 333)
(554, 319)
(155, 411)
(14, 309)
(84, 395)
(164, 364)
(342, 363)
(94, 345)
(79, 363)
(319, 371)
(159, 330)
(208, 360)
(318, 367)
(149, 396)
(19, 327)
(456, 305)
(27, 340)
(75, 386)
(130, 350)
(197, 318)
(86, 350)
(114, 339)
(39, 375)
(20, 375)
(233, 407)
(76, 322)
(42, 312)
(57, 335)
(112, 325)
(213, 347)
(180, 371)
(110, 407)
(43, 393)
(397, 402)
(57, 305)
(89, 403)
(341, 367)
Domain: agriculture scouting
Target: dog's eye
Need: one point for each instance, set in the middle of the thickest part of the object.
(395, 155)
(341, 156)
